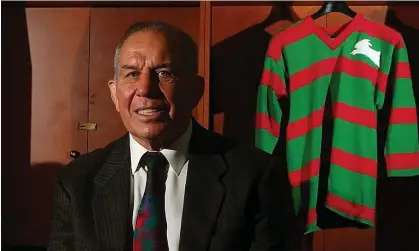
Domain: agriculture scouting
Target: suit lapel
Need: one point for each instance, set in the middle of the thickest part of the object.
(204, 192)
(111, 193)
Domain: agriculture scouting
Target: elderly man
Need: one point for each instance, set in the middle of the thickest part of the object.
(168, 184)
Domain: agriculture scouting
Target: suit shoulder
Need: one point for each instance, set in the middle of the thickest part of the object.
(241, 154)
(251, 154)
(85, 166)
(229, 146)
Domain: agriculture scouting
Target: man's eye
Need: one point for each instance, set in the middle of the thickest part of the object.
(133, 74)
(164, 74)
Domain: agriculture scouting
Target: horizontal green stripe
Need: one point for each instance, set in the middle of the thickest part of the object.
(304, 149)
(312, 49)
(309, 98)
(353, 91)
(276, 67)
(265, 141)
(267, 103)
(401, 55)
(355, 139)
(403, 173)
(402, 138)
(350, 90)
(357, 188)
(403, 93)
(305, 52)
(361, 220)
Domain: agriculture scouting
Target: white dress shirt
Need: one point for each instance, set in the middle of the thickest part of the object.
(177, 156)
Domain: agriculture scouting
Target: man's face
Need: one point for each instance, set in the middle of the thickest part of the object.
(152, 93)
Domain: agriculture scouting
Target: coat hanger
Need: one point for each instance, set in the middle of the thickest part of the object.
(334, 6)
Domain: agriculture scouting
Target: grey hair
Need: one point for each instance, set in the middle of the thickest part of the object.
(183, 47)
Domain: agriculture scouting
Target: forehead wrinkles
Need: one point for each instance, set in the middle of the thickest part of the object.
(148, 58)
(149, 44)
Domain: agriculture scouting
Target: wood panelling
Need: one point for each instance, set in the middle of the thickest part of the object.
(58, 41)
(201, 113)
(53, 77)
(112, 4)
(107, 27)
(59, 44)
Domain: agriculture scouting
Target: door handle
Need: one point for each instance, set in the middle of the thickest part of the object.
(74, 154)
(87, 126)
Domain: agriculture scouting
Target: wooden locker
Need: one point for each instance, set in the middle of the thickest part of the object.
(49, 67)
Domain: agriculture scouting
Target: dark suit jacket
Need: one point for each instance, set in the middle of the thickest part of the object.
(236, 198)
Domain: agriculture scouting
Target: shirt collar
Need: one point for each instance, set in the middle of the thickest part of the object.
(176, 154)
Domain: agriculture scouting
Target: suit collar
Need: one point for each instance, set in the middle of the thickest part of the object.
(205, 191)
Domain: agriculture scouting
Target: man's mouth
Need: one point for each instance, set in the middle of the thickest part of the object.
(149, 111)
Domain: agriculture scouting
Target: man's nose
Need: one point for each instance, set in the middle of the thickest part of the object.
(147, 85)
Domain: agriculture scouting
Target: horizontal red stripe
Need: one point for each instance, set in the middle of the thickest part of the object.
(295, 33)
(305, 125)
(354, 163)
(350, 208)
(304, 174)
(275, 48)
(403, 70)
(286, 37)
(311, 216)
(381, 82)
(403, 116)
(354, 115)
(336, 65)
(381, 32)
(273, 81)
(263, 121)
(400, 161)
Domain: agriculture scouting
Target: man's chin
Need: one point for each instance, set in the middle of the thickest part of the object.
(150, 131)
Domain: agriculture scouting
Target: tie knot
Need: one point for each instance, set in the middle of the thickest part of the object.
(154, 160)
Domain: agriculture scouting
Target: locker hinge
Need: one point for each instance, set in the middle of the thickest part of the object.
(87, 126)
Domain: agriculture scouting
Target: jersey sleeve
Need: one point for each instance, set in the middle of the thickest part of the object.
(401, 145)
(271, 87)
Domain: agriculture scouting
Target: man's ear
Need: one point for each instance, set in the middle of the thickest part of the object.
(112, 89)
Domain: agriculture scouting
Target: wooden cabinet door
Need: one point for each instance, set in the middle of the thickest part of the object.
(107, 28)
(49, 98)
(59, 43)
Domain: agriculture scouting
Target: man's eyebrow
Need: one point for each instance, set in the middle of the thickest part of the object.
(135, 67)
(130, 67)
(164, 65)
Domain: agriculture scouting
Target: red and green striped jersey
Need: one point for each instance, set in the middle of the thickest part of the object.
(363, 66)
